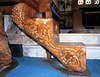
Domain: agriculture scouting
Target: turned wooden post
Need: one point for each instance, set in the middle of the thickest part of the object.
(48, 55)
(77, 23)
(48, 15)
(46, 7)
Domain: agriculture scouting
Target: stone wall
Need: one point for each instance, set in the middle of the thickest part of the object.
(87, 39)
(16, 36)
(32, 49)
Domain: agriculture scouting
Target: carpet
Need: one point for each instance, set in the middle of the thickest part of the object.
(32, 67)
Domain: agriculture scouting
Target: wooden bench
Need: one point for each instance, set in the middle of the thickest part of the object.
(46, 32)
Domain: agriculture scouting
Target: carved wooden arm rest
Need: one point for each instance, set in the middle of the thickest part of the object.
(46, 32)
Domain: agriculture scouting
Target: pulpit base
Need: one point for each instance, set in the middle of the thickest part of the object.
(58, 66)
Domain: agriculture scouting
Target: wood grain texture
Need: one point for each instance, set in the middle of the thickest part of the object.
(31, 3)
(7, 9)
(5, 53)
(45, 31)
(48, 55)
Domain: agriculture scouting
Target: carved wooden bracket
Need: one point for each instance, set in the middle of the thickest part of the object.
(5, 53)
(46, 32)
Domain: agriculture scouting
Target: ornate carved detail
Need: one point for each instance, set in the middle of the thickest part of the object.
(44, 30)
(5, 53)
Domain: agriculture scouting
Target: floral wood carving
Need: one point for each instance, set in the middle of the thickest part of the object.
(71, 55)
(5, 53)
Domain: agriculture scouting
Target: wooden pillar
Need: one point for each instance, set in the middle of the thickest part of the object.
(77, 23)
(48, 55)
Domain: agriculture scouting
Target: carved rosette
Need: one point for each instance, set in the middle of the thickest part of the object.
(5, 53)
(41, 29)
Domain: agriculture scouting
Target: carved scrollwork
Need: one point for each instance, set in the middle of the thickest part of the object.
(72, 57)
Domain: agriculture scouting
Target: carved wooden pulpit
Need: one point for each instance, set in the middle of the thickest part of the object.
(7, 5)
(46, 32)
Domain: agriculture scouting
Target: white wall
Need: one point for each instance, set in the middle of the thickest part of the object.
(32, 49)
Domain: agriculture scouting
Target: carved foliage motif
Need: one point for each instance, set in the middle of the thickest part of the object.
(72, 57)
